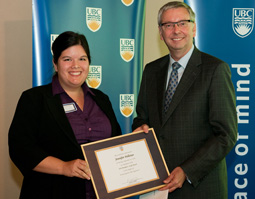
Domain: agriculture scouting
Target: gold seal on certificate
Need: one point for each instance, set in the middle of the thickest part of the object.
(126, 165)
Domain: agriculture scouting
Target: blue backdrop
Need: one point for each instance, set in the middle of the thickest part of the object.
(225, 30)
(115, 33)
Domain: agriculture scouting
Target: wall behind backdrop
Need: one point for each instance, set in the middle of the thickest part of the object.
(16, 76)
(16, 72)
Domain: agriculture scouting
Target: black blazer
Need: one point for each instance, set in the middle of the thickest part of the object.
(39, 129)
(200, 127)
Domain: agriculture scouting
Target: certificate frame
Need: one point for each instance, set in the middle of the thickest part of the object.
(91, 151)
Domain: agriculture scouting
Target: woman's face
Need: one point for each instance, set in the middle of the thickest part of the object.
(72, 67)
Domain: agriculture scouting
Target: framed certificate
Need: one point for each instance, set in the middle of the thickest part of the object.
(126, 165)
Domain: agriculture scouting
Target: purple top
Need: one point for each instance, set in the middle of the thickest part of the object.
(88, 125)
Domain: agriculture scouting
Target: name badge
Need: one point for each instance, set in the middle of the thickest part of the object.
(70, 107)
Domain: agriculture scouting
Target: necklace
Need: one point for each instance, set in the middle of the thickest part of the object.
(78, 99)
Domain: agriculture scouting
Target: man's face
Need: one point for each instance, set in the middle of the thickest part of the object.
(179, 40)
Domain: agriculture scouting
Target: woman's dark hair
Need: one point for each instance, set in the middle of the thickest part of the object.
(66, 40)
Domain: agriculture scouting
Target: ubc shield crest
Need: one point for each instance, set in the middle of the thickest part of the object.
(94, 78)
(243, 21)
(127, 2)
(52, 39)
(94, 18)
(127, 49)
(126, 104)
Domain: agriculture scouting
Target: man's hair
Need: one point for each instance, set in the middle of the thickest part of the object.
(175, 4)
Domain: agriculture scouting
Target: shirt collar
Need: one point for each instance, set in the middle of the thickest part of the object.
(57, 88)
(184, 60)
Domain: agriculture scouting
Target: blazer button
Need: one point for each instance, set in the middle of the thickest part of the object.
(162, 137)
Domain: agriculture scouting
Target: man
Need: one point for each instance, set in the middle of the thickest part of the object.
(198, 128)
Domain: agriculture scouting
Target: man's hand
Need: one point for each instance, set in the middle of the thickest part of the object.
(144, 128)
(175, 180)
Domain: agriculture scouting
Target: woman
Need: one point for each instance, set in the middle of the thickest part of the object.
(52, 121)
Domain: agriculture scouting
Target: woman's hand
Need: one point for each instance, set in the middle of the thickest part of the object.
(77, 168)
(74, 168)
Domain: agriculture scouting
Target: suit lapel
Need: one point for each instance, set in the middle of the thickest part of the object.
(189, 76)
(161, 77)
(56, 109)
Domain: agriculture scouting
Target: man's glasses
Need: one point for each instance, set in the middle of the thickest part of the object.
(181, 24)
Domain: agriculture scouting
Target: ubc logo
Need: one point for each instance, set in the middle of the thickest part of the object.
(127, 2)
(94, 18)
(243, 20)
(126, 104)
(52, 39)
(94, 78)
(121, 148)
(127, 49)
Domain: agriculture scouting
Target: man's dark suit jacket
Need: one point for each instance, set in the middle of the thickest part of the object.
(200, 127)
(39, 129)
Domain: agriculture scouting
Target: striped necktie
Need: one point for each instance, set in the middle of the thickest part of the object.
(172, 84)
